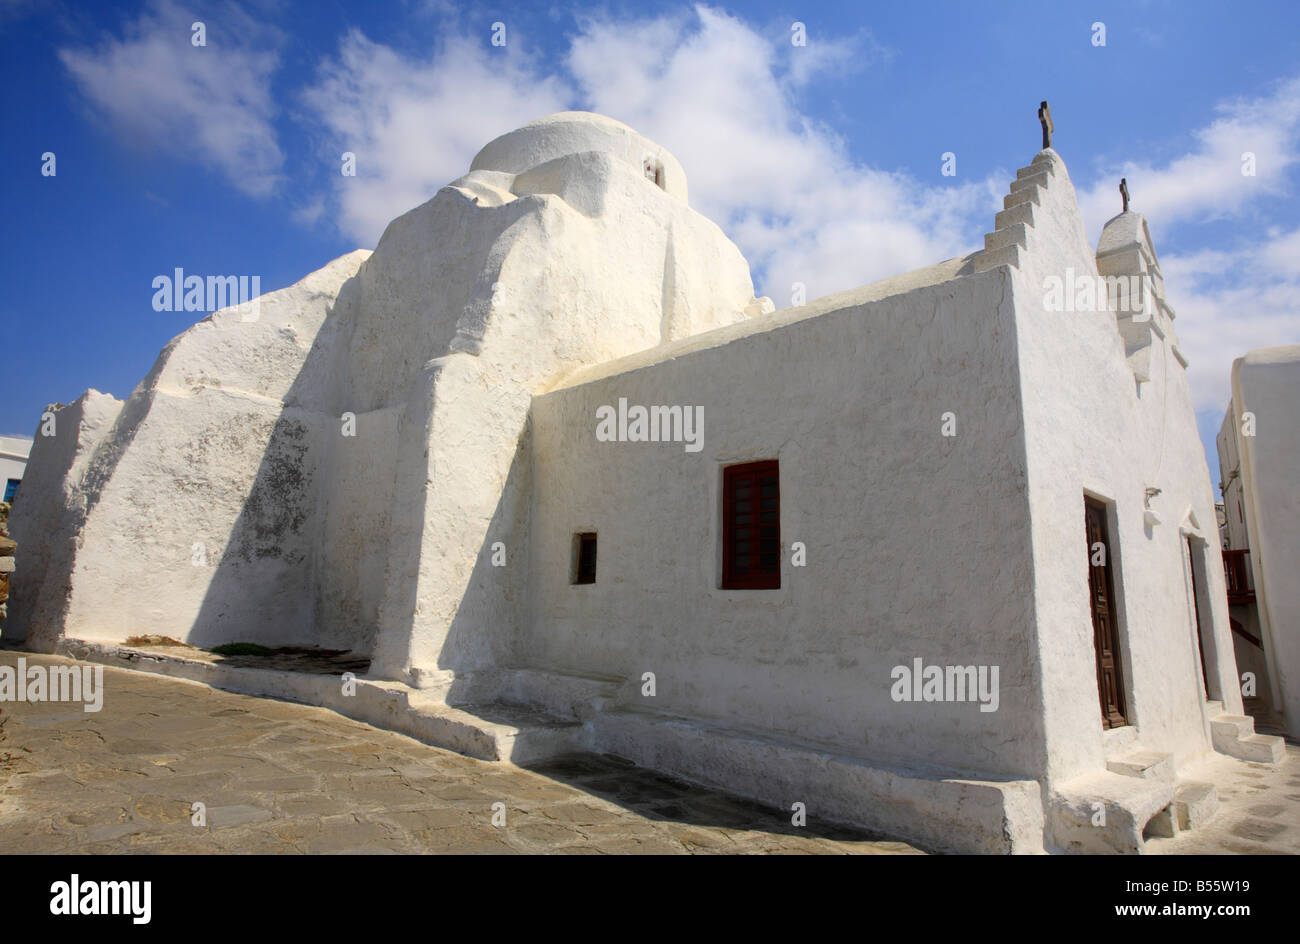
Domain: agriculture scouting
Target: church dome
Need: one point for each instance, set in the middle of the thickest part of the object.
(572, 132)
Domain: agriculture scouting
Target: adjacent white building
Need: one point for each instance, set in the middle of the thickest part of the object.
(936, 556)
(1259, 467)
(14, 451)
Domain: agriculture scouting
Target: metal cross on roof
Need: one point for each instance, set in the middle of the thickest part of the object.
(1045, 119)
(1123, 191)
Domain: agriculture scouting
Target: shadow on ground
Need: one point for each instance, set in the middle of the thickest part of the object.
(656, 796)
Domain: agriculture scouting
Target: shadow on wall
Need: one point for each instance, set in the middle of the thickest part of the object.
(260, 589)
(486, 630)
(264, 588)
(293, 572)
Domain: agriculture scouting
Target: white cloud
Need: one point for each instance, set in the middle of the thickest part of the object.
(724, 98)
(209, 104)
(1229, 299)
(712, 89)
(1207, 183)
(717, 94)
(1229, 302)
(415, 125)
(309, 213)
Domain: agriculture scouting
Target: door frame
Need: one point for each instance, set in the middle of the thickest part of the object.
(1205, 647)
(1122, 714)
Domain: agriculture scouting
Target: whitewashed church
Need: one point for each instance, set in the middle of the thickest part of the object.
(936, 556)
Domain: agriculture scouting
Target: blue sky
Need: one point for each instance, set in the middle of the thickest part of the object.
(822, 161)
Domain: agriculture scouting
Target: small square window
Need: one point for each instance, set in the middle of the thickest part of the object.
(584, 547)
(654, 172)
(11, 489)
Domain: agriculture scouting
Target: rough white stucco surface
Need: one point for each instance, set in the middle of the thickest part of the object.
(193, 512)
(47, 522)
(227, 499)
(1092, 428)
(903, 560)
(555, 252)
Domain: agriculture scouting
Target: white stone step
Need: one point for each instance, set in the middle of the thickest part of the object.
(1164, 825)
(532, 739)
(1017, 234)
(1028, 195)
(1262, 748)
(1231, 727)
(1235, 736)
(1020, 213)
(1148, 765)
(1038, 179)
(1129, 804)
(1044, 166)
(992, 259)
(486, 729)
(1195, 803)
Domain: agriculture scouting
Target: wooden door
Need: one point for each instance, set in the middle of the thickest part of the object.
(1105, 635)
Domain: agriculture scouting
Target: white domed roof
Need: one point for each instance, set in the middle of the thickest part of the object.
(572, 132)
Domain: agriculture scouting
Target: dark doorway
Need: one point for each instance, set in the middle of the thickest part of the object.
(1193, 559)
(1105, 634)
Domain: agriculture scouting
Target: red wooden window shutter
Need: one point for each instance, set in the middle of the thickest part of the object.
(751, 526)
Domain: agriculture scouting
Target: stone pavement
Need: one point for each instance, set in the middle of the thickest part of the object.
(1259, 810)
(277, 777)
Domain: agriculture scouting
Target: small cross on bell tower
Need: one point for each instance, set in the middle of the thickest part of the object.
(1045, 119)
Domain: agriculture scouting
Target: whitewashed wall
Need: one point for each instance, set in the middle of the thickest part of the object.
(554, 253)
(194, 514)
(917, 544)
(46, 521)
(1091, 428)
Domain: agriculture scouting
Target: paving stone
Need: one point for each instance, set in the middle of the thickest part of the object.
(1257, 830)
(1267, 809)
(426, 819)
(102, 816)
(315, 804)
(1252, 807)
(220, 817)
(471, 840)
(580, 814)
(160, 810)
(295, 830)
(113, 831)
